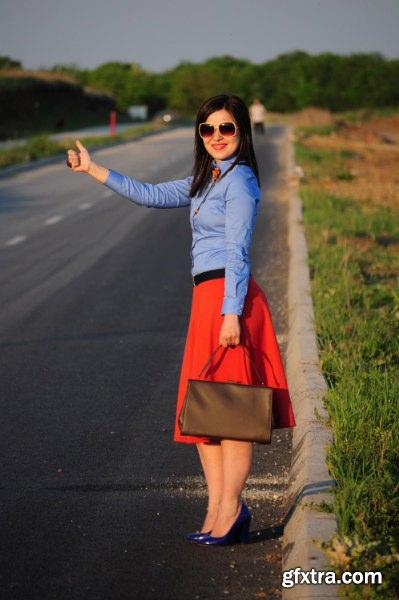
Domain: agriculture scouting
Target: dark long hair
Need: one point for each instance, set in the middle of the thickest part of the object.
(202, 169)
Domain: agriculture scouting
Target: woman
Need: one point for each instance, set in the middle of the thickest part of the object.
(228, 306)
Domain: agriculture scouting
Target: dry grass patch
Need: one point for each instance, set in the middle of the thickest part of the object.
(369, 165)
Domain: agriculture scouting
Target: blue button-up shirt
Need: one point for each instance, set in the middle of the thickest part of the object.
(222, 230)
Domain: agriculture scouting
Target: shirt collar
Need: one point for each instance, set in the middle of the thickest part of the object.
(224, 164)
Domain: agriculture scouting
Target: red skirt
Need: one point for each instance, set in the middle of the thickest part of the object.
(232, 363)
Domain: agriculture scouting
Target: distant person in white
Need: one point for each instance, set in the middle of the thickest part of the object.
(258, 114)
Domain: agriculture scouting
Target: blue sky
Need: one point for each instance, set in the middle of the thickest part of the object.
(159, 34)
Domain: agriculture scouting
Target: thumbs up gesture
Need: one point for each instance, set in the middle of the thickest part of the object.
(79, 161)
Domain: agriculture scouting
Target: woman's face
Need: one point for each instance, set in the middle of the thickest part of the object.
(220, 147)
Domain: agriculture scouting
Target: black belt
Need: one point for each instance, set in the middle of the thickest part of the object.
(214, 274)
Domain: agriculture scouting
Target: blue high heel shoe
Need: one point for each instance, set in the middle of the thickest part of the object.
(197, 535)
(238, 532)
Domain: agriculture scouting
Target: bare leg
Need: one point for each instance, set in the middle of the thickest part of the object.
(237, 463)
(211, 460)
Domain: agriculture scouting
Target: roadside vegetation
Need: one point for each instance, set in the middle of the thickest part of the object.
(350, 193)
(36, 104)
(42, 146)
(67, 96)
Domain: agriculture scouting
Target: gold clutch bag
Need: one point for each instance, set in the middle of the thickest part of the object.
(227, 409)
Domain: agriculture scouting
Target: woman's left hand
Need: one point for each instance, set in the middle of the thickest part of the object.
(230, 331)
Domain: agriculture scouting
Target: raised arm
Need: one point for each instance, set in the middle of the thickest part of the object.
(242, 197)
(170, 194)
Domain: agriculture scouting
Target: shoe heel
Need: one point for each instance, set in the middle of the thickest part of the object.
(243, 535)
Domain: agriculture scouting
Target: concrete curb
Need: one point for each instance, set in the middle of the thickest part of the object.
(310, 481)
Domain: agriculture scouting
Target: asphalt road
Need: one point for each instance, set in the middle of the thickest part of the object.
(96, 498)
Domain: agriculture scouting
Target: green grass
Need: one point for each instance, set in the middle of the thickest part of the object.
(324, 162)
(356, 297)
(308, 130)
(42, 146)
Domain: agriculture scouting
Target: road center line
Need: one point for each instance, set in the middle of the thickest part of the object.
(15, 240)
(54, 219)
(85, 205)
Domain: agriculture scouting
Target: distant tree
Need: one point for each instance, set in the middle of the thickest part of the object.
(295, 80)
(286, 83)
(9, 63)
(129, 83)
(82, 76)
(291, 81)
(191, 84)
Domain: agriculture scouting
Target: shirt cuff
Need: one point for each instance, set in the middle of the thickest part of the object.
(232, 306)
(114, 181)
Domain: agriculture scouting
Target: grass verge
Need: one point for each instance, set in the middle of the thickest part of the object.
(354, 264)
(42, 146)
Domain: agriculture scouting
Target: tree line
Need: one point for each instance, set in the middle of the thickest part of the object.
(290, 82)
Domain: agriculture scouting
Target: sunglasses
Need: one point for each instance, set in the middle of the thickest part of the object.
(206, 130)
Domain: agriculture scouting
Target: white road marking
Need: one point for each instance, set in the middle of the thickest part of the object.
(85, 205)
(54, 219)
(15, 240)
(108, 193)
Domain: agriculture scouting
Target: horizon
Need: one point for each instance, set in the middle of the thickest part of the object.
(181, 62)
(160, 37)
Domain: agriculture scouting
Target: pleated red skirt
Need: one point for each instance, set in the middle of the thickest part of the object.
(233, 363)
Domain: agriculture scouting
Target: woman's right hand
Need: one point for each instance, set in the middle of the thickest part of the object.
(79, 161)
